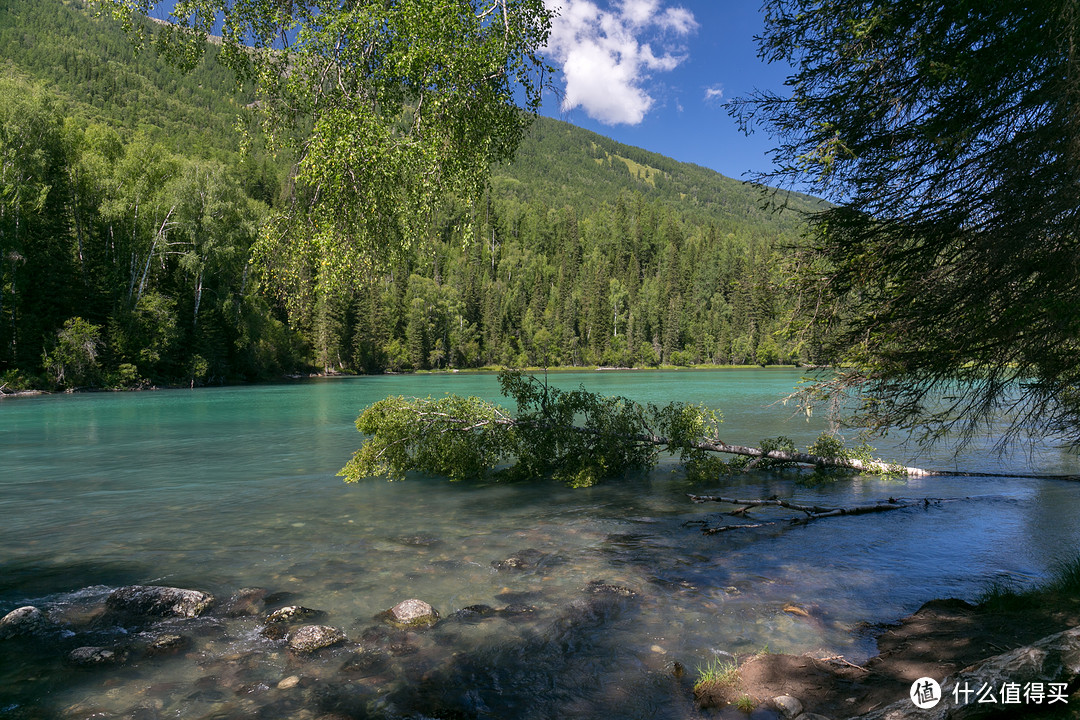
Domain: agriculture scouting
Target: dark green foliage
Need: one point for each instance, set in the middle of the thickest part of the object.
(92, 64)
(577, 437)
(123, 262)
(140, 217)
(1062, 587)
(947, 134)
(73, 358)
(549, 443)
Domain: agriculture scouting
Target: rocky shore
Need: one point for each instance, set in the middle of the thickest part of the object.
(282, 659)
(951, 641)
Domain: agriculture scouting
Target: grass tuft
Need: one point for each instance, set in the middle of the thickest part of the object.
(1006, 596)
(717, 672)
(1066, 577)
(746, 704)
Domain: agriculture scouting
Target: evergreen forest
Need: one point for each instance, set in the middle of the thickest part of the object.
(133, 201)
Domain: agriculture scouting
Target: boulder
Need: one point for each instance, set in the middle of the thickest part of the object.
(412, 613)
(159, 601)
(788, 706)
(309, 638)
(23, 622)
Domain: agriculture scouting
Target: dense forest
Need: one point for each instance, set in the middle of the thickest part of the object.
(132, 248)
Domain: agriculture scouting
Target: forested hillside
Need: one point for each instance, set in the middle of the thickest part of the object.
(131, 252)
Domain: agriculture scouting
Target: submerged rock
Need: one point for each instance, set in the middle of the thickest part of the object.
(526, 559)
(518, 609)
(309, 638)
(473, 612)
(599, 587)
(411, 613)
(160, 601)
(95, 656)
(294, 614)
(418, 540)
(164, 643)
(23, 622)
(274, 631)
(246, 602)
(366, 662)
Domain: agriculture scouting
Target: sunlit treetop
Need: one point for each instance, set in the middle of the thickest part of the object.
(387, 107)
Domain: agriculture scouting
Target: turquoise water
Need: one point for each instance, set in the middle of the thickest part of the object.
(219, 489)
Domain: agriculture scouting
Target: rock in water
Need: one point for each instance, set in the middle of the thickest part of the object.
(366, 662)
(599, 587)
(294, 614)
(473, 612)
(526, 559)
(309, 638)
(91, 656)
(412, 613)
(160, 601)
(165, 643)
(246, 602)
(23, 622)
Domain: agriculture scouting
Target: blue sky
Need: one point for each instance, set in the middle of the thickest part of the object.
(658, 75)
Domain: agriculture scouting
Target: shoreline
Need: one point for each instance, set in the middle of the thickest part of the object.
(291, 378)
(942, 638)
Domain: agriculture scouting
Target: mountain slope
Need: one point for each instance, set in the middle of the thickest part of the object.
(585, 251)
(568, 165)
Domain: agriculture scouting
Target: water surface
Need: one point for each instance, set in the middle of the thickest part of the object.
(220, 489)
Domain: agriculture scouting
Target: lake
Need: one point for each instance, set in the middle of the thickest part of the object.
(225, 488)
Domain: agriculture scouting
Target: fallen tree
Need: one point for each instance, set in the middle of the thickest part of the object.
(810, 512)
(575, 436)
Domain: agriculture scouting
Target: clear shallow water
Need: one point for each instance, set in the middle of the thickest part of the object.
(219, 489)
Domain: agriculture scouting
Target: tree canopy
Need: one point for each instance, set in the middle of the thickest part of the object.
(584, 251)
(388, 108)
(948, 137)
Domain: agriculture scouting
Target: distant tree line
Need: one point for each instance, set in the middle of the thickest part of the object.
(124, 264)
(527, 284)
(134, 247)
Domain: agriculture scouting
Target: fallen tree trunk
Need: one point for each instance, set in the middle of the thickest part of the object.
(1052, 664)
(811, 512)
(873, 466)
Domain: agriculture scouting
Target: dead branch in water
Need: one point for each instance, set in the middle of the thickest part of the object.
(810, 512)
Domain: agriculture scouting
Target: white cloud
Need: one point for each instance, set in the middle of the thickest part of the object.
(607, 55)
(715, 92)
